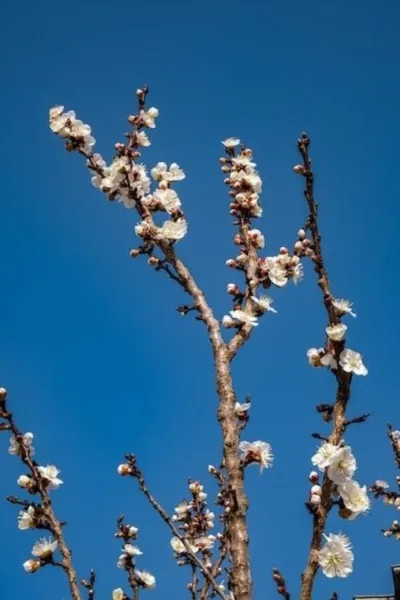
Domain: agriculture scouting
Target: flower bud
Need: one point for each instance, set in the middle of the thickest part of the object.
(316, 489)
(212, 469)
(3, 394)
(225, 169)
(133, 531)
(227, 181)
(124, 469)
(230, 263)
(298, 246)
(119, 146)
(315, 499)
(313, 476)
(299, 169)
(301, 234)
(233, 289)
(31, 565)
(24, 481)
(283, 250)
(134, 253)
(153, 261)
(306, 243)
(140, 93)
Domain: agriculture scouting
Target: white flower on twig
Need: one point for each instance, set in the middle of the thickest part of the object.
(118, 594)
(258, 452)
(244, 317)
(148, 117)
(49, 473)
(355, 497)
(44, 548)
(15, 449)
(231, 142)
(264, 303)
(26, 518)
(351, 362)
(343, 306)
(132, 550)
(336, 558)
(336, 332)
(241, 410)
(174, 230)
(342, 466)
(147, 579)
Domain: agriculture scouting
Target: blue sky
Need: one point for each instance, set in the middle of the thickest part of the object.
(95, 358)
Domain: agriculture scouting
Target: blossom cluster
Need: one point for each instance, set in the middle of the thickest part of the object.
(127, 560)
(195, 521)
(124, 179)
(339, 465)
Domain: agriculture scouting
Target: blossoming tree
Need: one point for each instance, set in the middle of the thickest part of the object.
(209, 544)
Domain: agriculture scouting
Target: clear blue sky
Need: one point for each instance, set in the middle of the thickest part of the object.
(97, 361)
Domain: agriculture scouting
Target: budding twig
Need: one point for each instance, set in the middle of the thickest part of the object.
(136, 473)
(44, 512)
(89, 585)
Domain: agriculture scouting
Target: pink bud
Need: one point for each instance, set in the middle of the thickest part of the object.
(313, 476)
(299, 169)
(139, 93)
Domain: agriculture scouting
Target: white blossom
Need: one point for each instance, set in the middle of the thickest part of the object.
(15, 449)
(44, 548)
(148, 117)
(161, 172)
(264, 303)
(132, 550)
(133, 531)
(257, 238)
(50, 473)
(231, 142)
(325, 455)
(336, 332)
(26, 518)
(316, 489)
(342, 466)
(351, 362)
(314, 356)
(147, 579)
(118, 594)
(142, 139)
(228, 322)
(174, 230)
(328, 360)
(257, 452)
(168, 199)
(336, 558)
(24, 481)
(241, 410)
(315, 499)
(244, 317)
(276, 272)
(31, 565)
(344, 306)
(183, 508)
(355, 497)
(205, 542)
(178, 546)
(297, 272)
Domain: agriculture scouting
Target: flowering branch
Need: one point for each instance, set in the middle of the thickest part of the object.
(38, 516)
(394, 437)
(333, 458)
(130, 468)
(127, 181)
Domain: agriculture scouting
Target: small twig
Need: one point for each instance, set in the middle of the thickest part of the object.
(89, 585)
(280, 584)
(138, 475)
(360, 419)
(318, 436)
